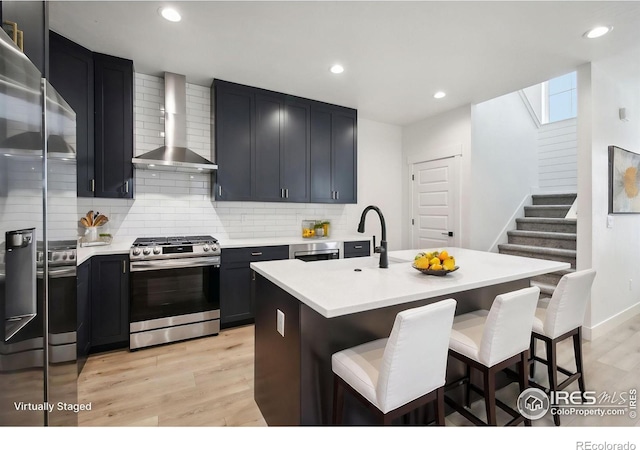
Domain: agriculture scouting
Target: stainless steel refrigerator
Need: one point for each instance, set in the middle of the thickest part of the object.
(38, 235)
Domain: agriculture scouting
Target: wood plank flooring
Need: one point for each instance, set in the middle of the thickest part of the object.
(209, 382)
(203, 382)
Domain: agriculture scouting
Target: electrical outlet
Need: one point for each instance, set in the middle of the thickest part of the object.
(609, 221)
(280, 322)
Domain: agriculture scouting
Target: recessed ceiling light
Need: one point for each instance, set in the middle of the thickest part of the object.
(337, 68)
(170, 14)
(439, 94)
(597, 32)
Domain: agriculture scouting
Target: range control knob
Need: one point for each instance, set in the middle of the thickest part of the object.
(136, 251)
(55, 256)
(156, 250)
(206, 248)
(146, 251)
(64, 256)
(72, 256)
(215, 247)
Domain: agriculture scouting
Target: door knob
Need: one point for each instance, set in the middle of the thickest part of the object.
(448, 233)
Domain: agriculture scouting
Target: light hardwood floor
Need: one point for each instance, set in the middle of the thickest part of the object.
(209, 382)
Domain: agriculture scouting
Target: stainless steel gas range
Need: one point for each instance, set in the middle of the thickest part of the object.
(175, 289)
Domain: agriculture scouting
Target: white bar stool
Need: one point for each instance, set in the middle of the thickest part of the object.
(560, 319)
(491, 341)
(395, 375)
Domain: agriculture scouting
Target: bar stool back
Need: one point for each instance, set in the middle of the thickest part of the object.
(398, 374)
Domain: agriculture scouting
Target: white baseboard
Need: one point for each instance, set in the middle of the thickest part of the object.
(604, 327)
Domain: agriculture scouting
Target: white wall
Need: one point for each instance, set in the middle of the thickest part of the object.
(504, 166)
(168, 203)
(379, 180)
(615, 251)
(434, 138)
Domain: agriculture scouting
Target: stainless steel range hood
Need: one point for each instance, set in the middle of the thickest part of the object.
(174, 154)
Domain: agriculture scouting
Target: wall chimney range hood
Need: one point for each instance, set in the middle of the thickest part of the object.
(174, 154)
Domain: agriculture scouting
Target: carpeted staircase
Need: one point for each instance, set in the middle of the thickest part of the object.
(544, 233)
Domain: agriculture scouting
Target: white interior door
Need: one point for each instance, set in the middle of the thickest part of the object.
(435, 204)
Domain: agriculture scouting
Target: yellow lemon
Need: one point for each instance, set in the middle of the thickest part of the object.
(449, 264)
(436, 267)
(434, 261)
(422, 263)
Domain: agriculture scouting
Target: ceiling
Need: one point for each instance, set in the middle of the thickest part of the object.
(396, 54)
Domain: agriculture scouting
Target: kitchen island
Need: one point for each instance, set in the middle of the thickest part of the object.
(305, 312)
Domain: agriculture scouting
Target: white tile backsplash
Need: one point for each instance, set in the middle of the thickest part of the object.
(176, 203)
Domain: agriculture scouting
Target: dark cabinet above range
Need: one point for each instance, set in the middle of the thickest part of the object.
(275, 147)
(99, 88)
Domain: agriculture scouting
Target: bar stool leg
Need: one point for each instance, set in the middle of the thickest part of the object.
(439, 405)
(577, 349)
(467, 389)
(523, 381)
(532, 355)
(490, 396)
(553, 373)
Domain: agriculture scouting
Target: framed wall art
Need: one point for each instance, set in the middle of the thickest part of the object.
(624, 181)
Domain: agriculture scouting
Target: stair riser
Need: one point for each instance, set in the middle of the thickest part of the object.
(548, 278)
(559, 258)
(569, 244)
(560, 200)
(559, 213)
(558, 228)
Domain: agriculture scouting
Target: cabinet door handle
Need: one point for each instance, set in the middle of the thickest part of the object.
(256, 253)
(253, 275)
(281, 193)
(219, 190)
(126, 187)
(124, 266)
(93, 185)
(333, 195)
(357, 246)
(286, 193)
(337, 195)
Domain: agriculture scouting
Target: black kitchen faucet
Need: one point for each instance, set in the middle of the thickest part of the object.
(384, 259)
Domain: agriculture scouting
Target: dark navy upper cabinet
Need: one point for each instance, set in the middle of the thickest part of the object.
(71, 73)
(113, 95)
(268, 142)
(234, 136)
(99, 88)
(278, 148)
(294, 156)
(333, 154)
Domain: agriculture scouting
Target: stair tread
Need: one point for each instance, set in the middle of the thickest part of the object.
(569, 194)
(535, 249)
(546, 220)
(543, 234)
(548, 206)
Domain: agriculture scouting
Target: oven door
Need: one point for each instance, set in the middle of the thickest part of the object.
(169, 288)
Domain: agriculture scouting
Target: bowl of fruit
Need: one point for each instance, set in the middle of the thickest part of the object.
(438, 263)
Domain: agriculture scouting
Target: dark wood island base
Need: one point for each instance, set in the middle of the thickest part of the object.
(293, 376)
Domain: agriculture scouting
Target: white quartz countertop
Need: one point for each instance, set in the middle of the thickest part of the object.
(122, 245)
(334, 288)
(117, 247)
